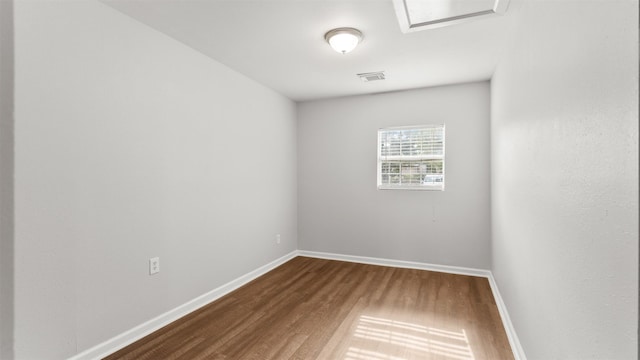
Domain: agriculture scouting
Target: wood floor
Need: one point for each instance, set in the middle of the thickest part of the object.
(323, 309)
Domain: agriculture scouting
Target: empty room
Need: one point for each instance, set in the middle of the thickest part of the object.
(319, 179)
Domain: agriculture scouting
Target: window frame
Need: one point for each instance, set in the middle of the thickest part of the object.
(421, 187)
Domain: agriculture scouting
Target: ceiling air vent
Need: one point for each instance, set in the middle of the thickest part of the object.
(372, 76)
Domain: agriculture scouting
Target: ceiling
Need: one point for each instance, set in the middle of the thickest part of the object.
(280, 43)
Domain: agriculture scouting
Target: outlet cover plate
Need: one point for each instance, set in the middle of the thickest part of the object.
(154, 265)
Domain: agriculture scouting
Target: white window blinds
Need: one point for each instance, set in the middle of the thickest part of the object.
(411, 158)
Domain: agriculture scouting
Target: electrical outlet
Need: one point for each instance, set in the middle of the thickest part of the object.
(278, 239)
(154, 265)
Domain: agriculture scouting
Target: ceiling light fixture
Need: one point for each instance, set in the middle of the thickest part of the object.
(344, 39)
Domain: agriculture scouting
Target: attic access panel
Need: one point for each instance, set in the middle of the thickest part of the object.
(415, 15)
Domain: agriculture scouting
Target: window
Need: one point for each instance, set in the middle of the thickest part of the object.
(411, 158)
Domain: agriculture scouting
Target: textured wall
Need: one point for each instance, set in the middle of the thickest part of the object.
(565, 178)
(340, 208)
(130, 145)
(6, 179)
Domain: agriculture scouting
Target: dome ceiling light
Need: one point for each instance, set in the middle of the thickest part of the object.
(343, 40)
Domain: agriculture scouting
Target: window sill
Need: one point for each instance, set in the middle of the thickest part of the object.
(419, 188)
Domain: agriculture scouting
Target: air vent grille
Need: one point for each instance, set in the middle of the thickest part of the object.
(372, 76)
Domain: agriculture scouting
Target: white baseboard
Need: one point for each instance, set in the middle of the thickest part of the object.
(518, 352)
(116, 343)
(128, 337)
(397, 263)
(516, 347)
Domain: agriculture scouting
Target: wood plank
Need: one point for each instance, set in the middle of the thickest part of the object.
(324, 309)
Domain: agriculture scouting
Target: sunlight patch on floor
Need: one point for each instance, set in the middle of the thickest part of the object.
(400, 336)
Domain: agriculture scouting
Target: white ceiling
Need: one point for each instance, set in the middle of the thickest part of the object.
(280, 43)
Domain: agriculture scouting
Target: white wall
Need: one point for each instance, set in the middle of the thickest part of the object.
(339, 208)
(6, 179)
(131, 145)
(565, 178)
